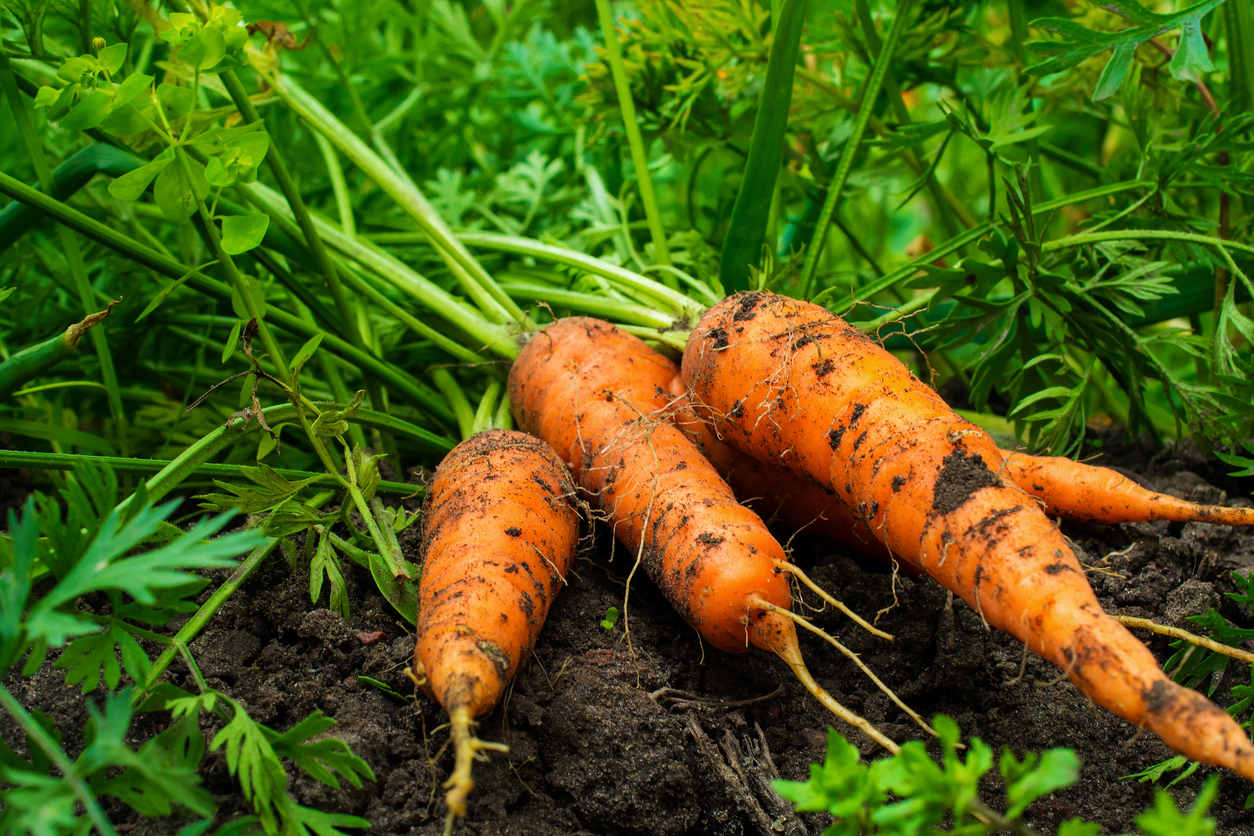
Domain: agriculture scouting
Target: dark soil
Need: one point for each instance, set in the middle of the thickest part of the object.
(666, 737)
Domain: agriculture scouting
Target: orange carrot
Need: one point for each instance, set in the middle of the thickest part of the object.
(790, 383)
(500, 534)
(1085, 492)
(599, 396)
(798, 502)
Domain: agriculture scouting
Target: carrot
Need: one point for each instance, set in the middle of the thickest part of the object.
(798, 502)
(500, 534)
(1099, 494)
(790, 383)
(599, 396)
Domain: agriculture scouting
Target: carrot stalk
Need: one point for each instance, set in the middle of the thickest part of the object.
(790, 383)
(500, 535)
(599, 396)
(1099, 494)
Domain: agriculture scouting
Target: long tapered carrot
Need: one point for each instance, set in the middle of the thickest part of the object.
(1086, 492)
(788, 382)
(599, 396)
(500, 534)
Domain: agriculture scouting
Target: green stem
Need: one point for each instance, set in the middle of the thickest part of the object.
(17, 218)
(282, 224)
(484, 414)
(69, 244)
(67, 461)
(944, 209)
(639, 155)
(38, 358)
(237, 280)
(975, 233)
(672, 299)
(339, 188)
(191, 459)
(751, 213)
(49, 747)
(470, 274)
(592, 304)
(433, 297)
(1018, 30)
(274, 160)
(207, 611)
(299, 211)
(148, 257)
(452, 391)
(1083, 238)
(1239, 28)
(870, 92)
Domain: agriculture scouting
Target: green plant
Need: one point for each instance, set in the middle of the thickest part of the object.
(49, 560)
(611, 619)
(909, 792)
(451, 173)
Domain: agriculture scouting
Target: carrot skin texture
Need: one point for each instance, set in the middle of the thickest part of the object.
(1098, 494)
(798, 502)
(789, 383)
(599, 396)
(500, 535)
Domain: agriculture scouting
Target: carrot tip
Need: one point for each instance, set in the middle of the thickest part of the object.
(466, 749)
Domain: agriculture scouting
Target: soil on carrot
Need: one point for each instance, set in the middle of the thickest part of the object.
(658, 735)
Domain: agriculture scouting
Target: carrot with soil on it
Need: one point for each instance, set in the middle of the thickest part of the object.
(790, 383)
(1066, 488)
(500, 534)
(599, 397)
(799, 503)
(1098, 494)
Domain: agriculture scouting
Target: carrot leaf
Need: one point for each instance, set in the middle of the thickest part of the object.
(1078, 44)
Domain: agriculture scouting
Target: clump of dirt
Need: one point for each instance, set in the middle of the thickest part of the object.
(659, 735)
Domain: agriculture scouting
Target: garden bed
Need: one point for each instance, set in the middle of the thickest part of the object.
(664, 736)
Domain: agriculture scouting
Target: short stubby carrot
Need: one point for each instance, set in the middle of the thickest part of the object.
(790, 383)
(600, 397)
(1098, 494)
(500, 534)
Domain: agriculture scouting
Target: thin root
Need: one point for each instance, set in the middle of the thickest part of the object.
(853, 657)
(466, 749)
(1191, 638)
(791, 654)
(822, 593)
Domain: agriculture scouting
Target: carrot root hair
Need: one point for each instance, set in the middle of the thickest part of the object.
(805, 579)
(787, 648)
(466, 749)
(851, 656)
(1191, 638)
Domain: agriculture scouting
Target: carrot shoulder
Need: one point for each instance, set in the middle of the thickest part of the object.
(500, 534)
(1099, 494)
(788, 382)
